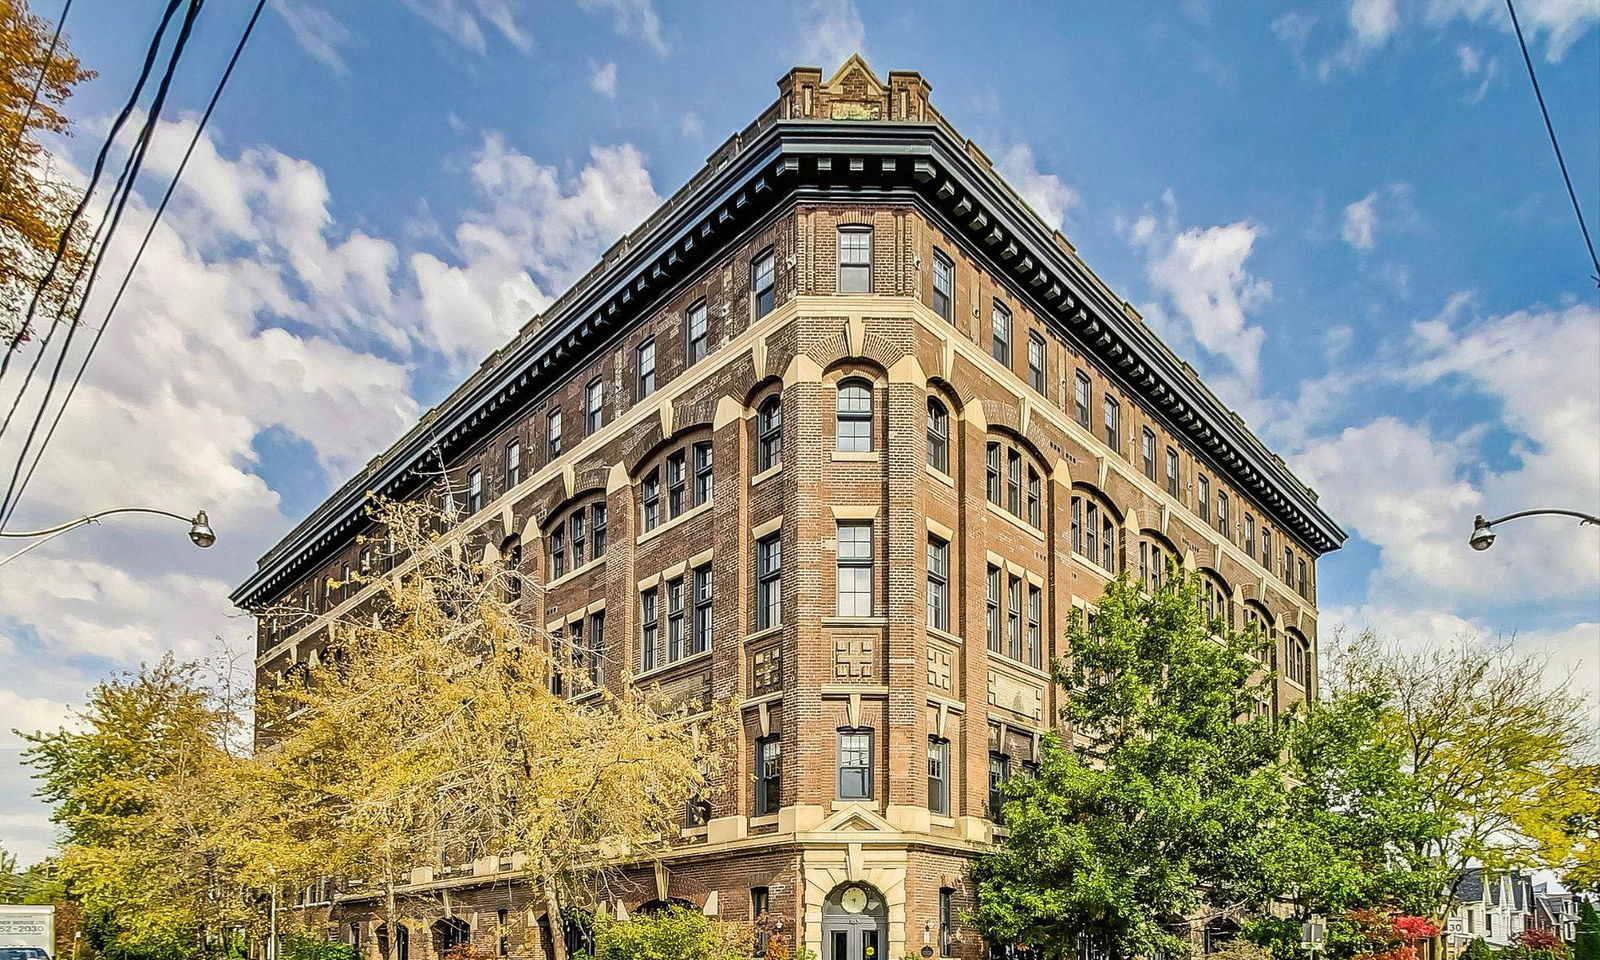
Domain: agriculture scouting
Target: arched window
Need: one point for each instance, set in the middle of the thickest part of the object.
(1094, 531)
(1297, 657)
(769, 434)
(1256, 618)
(1214, 598)
(853, 415)
(1156, 555)
(938, 436)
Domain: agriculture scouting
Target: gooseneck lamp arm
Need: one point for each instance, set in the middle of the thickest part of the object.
(1483, 533)
(199, 528)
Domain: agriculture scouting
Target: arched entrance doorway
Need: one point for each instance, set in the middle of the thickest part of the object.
(855, 923)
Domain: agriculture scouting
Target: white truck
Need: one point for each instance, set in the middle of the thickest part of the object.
(27, 932)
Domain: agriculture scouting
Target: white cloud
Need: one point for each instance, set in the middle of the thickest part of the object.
(534, 232)
(691, 128)
(632, 17)
(1388, 208)
(1044, 192)
(466, 21)
(831, 31)
(1560, 23)
(317, 31)
(1474, 67)
(1412, 491)
(1208, 292)
(19, 712)
(1359, 226)
(1372, 25)
(603, 79)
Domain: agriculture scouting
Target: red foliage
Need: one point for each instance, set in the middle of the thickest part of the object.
(1415, 928)
(1535, 939)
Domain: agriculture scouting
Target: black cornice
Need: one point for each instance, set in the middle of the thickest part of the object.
(787, 161)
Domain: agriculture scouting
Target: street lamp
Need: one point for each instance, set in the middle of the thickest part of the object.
(200, 531)
(1483, 535)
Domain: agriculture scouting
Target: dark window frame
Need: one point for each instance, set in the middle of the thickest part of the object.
(858, 272)
(644, 358)
(948, 294)
(849, 415)
(696, 332)
(853, 743)
(769, 434)
(1040, 371)
(763, 284)
(769, 581)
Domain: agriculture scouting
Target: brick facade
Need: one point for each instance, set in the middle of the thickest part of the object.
(820, 670)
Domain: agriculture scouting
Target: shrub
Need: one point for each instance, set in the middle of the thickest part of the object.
(674, 934)
(302, 947)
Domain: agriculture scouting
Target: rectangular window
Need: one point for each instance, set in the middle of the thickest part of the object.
(947, 922)
(594, 410)
(1202, 498)
(1113, 424)
(558, 678)
(1000, 323)
(558, 552)
(939, 776)
(648, 629)
(1035, 626)
(675, 620)
(769, 774)
(1288, 564)
(1035, 499)
(991, 603)
(552, 443)
(1014, 482)
(578, 529)
(992, 473)
(700, 635)
(999, 773)
(938, 583)
(762, 297)
(1147, 451)
(769, 582)
(1222, 515)
(1077, 524)
(855, 764)
(1266, 548)
(597, 529)
(1249, 535)
(1036, 362)
(855, 259)
(1302, 585)
(944, 286)
(597, 647)
(702, 473)
(1172, 472)
(675, 484)
(1014, 618)
(513, 463)
(855, 570)
(1080, 398)
(695, 336)
(646, 363)
(650, 499)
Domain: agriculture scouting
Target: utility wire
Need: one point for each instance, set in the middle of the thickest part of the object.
(94, 179)
(1550, 128)
(131, 171)
(145, 242)
(33, 98)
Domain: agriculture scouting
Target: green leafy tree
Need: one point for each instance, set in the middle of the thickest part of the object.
(1161, 814)
(675, 934)
(30, 885)
(1478, 949)
(1586, 943)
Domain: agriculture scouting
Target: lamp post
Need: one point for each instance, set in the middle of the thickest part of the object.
(1483, 533)
(200, 531)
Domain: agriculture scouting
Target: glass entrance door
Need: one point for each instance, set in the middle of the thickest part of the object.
(856, 943)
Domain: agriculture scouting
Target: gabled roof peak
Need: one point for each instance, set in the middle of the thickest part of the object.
(854, 92)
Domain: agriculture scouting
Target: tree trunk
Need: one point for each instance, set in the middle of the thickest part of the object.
(558, 930)
(391, 920)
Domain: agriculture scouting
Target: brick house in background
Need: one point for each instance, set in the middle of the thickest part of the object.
(843, 434)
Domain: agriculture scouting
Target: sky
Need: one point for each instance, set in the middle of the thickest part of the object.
(1345, 213)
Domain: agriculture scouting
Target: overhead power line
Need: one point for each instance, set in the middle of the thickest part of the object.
(1554, 143)
(133, 265)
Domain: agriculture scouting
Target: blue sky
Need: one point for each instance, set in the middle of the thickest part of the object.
(1346, 214)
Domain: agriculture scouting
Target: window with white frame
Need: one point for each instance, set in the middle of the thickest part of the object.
(1081, 395)
(474, 490)
(938, 436)
(645, 362)
(855, 569)
(594, 416)
(1037, 371)
(1094, 531)
(769, 434)
(700, 628)
(938, 776)
(944, 286)
(552, 443)
(513, 463)
(696, 334)
(855, 763)
(853, 416)
(855, 259)
(762, 295)
(1000, 333)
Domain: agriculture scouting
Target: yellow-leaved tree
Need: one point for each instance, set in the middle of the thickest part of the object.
(36, 203)
(441, 723)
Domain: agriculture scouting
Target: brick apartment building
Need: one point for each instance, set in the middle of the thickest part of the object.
(842, 434)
